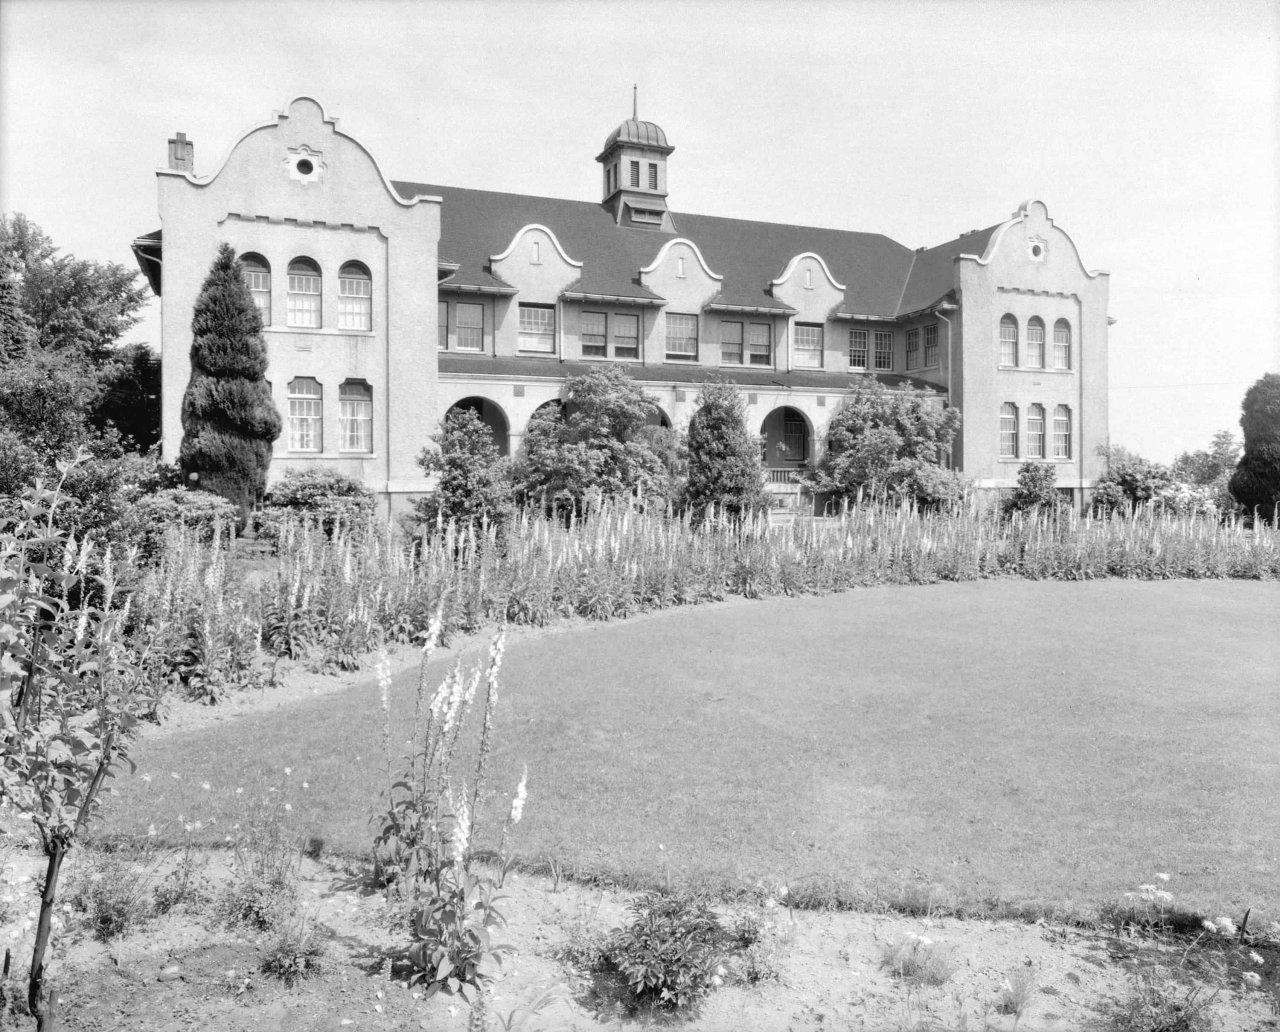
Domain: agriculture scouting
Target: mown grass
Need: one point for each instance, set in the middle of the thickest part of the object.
(1039, 743)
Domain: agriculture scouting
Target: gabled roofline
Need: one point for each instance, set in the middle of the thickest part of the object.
(662, 254)
(1020, 215)
(274, 122)
(528, 229)
(791, 268)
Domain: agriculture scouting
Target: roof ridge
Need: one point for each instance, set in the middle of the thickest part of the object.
(897, 309)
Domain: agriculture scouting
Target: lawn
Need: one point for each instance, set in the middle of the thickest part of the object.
(1029, 741)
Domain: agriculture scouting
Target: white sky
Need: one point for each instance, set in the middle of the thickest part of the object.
(1151, 131)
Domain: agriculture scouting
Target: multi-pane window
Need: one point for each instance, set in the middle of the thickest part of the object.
(682, 336)
(884, 351)
(306, 405)
(1035, 342)
(1009, 341)
(794, 438)
(594, 334)
(858, 346)
(1008, 430)
(626, 336)
(807, 351)
(1062, 432)
(913, 348)
(731, 342)
(635, 173)
(653, 176)
(355, 298)
(1062, 344)
(759, 344)
(355, 417)
(257, 277)
(469, 320)
(538, 328)
(931, 345)
(1035, 432)
(304, 293)
(442, 324)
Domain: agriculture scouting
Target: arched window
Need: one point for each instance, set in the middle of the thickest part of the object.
(355, 297)
(1008, 430)
(1035, 342)
(304, 293)
(1035, 432)
(1009, 341)
(1062, 432)
(306, 414)
(257, 277)
(355, 417)
(1062, 344)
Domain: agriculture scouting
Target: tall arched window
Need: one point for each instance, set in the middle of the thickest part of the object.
(1062, 432)
(306, 414)
(304, 293)
(1035, 342)
(1009, 341)
(1035, 432)
(355, 417)
(1008, 430)
(355, 297)
(1062, 344)
(257, 277)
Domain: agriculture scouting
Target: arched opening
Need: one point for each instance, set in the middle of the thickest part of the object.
(787, 442)
(492, 416)
(659, 418)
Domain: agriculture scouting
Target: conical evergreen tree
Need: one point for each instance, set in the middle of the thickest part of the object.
(229, 421)
(1256, 481)
(16, 333)
(724, 456)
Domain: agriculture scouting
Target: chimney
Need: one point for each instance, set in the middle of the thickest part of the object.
(182, 154)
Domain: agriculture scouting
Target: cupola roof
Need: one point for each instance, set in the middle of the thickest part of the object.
(640, 134)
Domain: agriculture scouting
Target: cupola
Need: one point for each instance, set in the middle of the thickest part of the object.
(634, 160)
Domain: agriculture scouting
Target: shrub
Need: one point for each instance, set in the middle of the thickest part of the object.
(203, 512)
(1036, 489)
(725, 471)
(672, 953)
(293, 951)
(1016, 991)
(263, 891)
(474, 479)
(112, 896)
(324, 496)
(918, 959)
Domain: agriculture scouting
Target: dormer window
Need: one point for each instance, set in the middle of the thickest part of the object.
(647, 215)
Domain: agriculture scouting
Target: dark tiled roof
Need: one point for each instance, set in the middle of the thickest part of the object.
(506, 366)
(931, 276)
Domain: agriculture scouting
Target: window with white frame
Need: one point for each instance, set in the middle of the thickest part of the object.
(306, 414)
(730, 342)
(594, 334)
(469, 325)
(1035, 432)
(1035, 343)
(795, 438)
(682, 336)
(257, 277)
(913, 349)
(1062, 432)
(538, 328)
(931, 345)
(884, 351)
(355, 417)
(442, 324)
(1009, 341)
(626, 336)
(355, 298)
(859, 343)
(807, 346)
(1008, 430)
(759, 344)
(303, 308)
(1062, 344)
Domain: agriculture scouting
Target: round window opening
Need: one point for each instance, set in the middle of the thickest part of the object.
(1036, 249)
(306, 168)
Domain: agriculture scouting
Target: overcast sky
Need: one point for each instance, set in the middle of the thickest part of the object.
(1151, 131)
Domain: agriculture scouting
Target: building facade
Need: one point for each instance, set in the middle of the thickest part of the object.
(346, 266)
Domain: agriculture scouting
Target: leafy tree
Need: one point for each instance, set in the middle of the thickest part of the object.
(883, 442)
(723, 455)
(46, 399)
(1036, 489)
(1130, 480)
(1256, 481)
(475, 480)
(129, 399)
(1204, 467)
(16, 332)
(600, 445)
(228, 419)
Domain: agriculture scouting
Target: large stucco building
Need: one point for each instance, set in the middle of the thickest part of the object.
(347, 267)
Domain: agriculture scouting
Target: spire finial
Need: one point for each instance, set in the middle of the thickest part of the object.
(635, 104)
